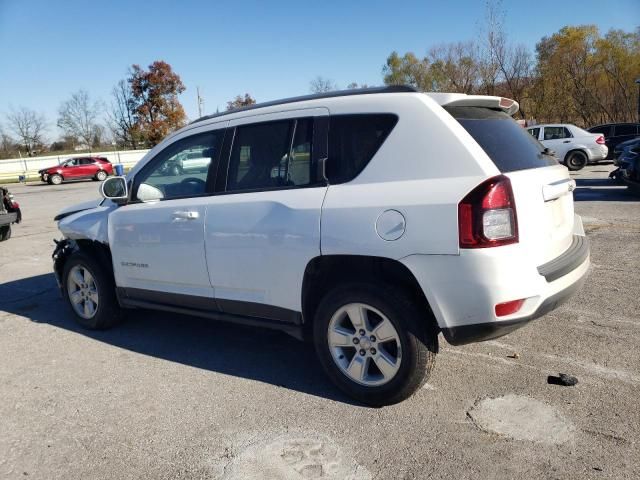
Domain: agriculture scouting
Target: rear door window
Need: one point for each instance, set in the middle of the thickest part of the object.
(272, 155)
(508, 144)
(353, 141)
(556, 133)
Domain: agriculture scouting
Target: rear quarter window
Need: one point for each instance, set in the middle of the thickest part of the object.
(506, 143)
(353, 141)
(621, 130)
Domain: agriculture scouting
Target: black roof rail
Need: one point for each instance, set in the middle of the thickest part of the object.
(315, 96)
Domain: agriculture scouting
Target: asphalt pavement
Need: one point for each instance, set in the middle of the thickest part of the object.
(172, 397)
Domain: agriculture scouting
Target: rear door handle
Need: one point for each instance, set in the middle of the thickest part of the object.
(567, 141)
(186, 215)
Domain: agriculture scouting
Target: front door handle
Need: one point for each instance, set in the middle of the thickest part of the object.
(567, 141)
(186, 215)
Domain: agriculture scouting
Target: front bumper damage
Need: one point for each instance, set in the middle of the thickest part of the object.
(63, 249)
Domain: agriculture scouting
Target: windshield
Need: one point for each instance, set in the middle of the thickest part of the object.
(509, 145)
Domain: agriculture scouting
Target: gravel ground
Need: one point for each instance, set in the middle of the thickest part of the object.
(166, 396)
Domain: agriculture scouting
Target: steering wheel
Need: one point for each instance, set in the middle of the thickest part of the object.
(194, 180)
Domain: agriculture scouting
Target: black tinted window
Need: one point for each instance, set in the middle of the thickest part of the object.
(298, 169)
(508, 144)
(625, 130)
(353, 141)
(271, 155)
(603, 129)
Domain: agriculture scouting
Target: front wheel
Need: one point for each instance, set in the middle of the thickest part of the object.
(576, 161)
(90, 292)
(374, 343)
(101, 175)
(55, 179)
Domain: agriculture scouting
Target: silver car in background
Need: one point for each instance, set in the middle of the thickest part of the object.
(573, 146)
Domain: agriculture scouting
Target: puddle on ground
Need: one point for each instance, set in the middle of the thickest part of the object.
(522, 418)
(293, 457)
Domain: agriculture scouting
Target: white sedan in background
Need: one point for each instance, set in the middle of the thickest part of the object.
(573, 146)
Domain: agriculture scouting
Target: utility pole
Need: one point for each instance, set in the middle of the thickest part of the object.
(200, 102)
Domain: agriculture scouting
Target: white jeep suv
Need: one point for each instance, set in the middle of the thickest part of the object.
(366, 221)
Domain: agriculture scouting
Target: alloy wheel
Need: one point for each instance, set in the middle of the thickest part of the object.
(82, 291)
(364, 344)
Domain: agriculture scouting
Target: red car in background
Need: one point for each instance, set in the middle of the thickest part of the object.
(96, 168)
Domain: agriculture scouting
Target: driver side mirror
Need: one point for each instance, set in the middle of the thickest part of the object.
(115, 189)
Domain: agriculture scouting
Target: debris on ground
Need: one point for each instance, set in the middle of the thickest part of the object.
(515, 355)
(563, 379)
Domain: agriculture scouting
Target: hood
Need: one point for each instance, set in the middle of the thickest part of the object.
(78, 207)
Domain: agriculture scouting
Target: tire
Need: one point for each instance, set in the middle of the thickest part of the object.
(99, 292)
(5, 233)
(55, 179)
(576, 160)
(413, 349)
(101, 175)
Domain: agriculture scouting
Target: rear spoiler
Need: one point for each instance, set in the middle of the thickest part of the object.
(507, 105)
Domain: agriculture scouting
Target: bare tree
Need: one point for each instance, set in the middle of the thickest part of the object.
(7, 144)
(353, 85)
(29, 126)
(78, 117)
(321, 84)
(121, 115)
(506, 68)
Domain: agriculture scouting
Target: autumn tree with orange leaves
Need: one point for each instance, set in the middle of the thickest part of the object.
(154, 101)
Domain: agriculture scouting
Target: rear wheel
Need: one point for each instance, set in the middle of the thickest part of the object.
(90, 292)
(101, 175)
(576, 160)
(374, 343)
(55, 179)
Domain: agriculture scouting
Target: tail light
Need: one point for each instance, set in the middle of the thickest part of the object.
(487, 215)
(600, 140)
(12, 202)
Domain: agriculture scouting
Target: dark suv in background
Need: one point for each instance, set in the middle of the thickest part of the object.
(615, 133)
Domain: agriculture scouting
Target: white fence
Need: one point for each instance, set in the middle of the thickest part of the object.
(13, 168)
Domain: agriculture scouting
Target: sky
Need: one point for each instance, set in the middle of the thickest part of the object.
(270, 49)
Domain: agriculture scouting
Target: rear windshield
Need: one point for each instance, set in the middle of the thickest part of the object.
(505, 142)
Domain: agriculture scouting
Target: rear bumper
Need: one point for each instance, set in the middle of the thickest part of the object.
(8, 218)
(597, 153)
(464, 289)
(479, 332)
